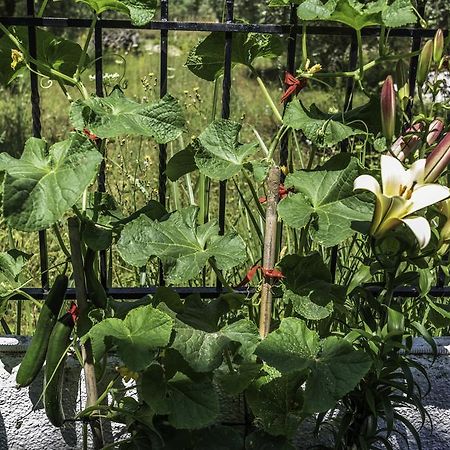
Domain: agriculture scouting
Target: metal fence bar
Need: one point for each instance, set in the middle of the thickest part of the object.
(330, 30)
(290, 67)
(348, 101)
(37, 130)
(163, 92)
(162, 183)
(127, 293)
(101, 179)
(226, 98)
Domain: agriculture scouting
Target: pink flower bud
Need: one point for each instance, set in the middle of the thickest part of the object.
(438, 160)
(408, 143)
(434, 131)
(388, 109)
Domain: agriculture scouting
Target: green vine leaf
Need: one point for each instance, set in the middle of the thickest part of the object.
(358, 15)
(201, 350)
(54, 51)
(205, 60)
(277, 404)
(324, 198)
(117, 115)
(308, 286)
(290, 348)
(140, 12)
(12, 277)
(43, 184)
(144, 330)
(333, 366)
(322, 130)
(219, 154)
(336, 371)
(181, 243)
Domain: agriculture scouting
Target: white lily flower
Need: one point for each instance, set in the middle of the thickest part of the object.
(404, 192)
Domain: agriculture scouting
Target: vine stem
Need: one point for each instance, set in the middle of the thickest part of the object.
(86, 348)
(85, 48)
(360, 54)
(42, 8)
(270, 239)
(269, 99)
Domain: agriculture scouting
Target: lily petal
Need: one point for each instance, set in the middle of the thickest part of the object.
(426, 195)
(416, 172)
(421, 229)
(368, 183)
(388, 211)
(392, 175)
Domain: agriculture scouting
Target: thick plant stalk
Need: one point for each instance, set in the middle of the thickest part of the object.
(86, 348)
(265, 311)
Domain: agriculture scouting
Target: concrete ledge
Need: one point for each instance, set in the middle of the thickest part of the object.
(24, 425)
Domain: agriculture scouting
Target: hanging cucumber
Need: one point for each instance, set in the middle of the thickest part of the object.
(35, 356)
(54, 366)
(95, 291)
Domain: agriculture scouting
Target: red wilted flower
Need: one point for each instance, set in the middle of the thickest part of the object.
(73, 310)
(282, 193)
(90, 135)
(387, 103)
(274, 274)
(294, 86)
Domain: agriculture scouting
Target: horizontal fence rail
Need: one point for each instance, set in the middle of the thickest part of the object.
(228, 27)
(62, 22)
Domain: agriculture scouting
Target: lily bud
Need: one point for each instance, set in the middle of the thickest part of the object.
(434, 131)
(438, 46)
(438, 160)
(424, 64)
(388, 108)
(402, 81)
(408, 143)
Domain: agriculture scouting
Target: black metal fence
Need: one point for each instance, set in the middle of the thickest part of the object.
(164, 25)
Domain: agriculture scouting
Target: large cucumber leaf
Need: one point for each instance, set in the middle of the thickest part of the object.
(308, 286)
(206, 59)
(188, 404)
(332, 365)
(140, 12)
(144, 330)
(117, 115)
(43, 184)
(180, 242)
(217, 153)
(316, 126)
(355, 13)
(325, 197)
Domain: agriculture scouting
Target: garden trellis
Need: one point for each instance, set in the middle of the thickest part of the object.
(229, 27)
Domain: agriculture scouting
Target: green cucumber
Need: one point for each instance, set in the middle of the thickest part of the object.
(54, 369)
(35, 356)
(95, 290)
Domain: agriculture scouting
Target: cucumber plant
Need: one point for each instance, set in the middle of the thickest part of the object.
(318, 331)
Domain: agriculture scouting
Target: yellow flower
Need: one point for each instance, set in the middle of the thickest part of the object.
(403, 192)
(127, 374)
(17, 57)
